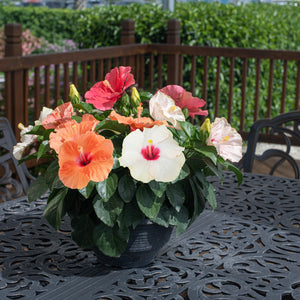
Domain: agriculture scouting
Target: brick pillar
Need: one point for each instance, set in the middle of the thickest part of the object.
(173, 60)
(15, 109)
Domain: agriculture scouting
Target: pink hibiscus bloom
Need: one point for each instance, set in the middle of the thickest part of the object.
(59, 115)
(104, 94)
(184, 99)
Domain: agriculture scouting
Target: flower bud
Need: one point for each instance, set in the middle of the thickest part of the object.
(74, 95)
(135, 97)
(205, 129)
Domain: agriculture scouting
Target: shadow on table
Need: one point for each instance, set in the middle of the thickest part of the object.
(31, 249)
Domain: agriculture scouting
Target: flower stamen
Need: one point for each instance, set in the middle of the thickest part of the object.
(150, 152)
(84, 158)
(139, 112)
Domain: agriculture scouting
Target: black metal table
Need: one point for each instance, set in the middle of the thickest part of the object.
(249, 248)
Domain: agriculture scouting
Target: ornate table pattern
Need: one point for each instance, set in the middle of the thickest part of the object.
(248, 248)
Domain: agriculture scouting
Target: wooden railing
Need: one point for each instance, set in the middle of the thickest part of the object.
(249, 75)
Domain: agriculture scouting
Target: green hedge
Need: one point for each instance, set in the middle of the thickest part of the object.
(254, 25)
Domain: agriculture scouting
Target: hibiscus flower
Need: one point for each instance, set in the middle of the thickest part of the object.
(28, 139)
(185, 99)
(104, 94)
(152, 154)
(226, 139)
(60, 115)
(88, 157)
(162, 107)
(71, 130)
(135, 123)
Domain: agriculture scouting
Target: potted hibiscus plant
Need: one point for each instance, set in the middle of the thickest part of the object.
(120, 158)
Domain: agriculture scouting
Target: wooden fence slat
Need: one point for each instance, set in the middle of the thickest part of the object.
(56, 84)
(84, 77)
(283, 92)
(100, 72)
(66, 82)
(217, 89)
(26, 95)
(159, 70)
(151, 71)
(270, 89)
(47, 86)
(244, 86)
(193, 74)
(75, 74)
(92, 72)
(205, 77)
(37, 93)
(256, 96)
(230, 94)
(297, 86)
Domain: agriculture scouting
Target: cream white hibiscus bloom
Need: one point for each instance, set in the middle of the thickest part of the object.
(226, 139)
(162, 107)
(28, 139)
(152, 154)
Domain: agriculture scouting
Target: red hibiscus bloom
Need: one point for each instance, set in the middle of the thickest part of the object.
(104, 94)
(184, 99)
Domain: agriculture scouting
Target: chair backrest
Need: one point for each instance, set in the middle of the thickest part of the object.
(14, 178)
(284, 127)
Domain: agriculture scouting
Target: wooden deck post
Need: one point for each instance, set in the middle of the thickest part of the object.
(173, 60)
(15, 104)
(127, 38)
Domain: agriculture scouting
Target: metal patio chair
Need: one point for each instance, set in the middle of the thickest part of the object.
(282, 129)
(14, 178)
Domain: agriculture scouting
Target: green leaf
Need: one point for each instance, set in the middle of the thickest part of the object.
(208, 151)
(163, 217)
(211, 196)
(206, 189)
(37, 188)
(37, 130)
(114, 126)
(198, 198)
(180, 219)
(148, 202)
(51, 174)
(87, 107)
(131, 215)
(126, 188)
(176, 196)
(184, 172)
(111, 241)
(87, 191)
(145, 95)
(188, 128)
(82, 231)
(231, 167)
(108, 211)
(107, 187)
(158, 188)
(43, 148)
(53, 211)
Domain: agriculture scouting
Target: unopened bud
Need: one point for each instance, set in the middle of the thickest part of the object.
(74, 95)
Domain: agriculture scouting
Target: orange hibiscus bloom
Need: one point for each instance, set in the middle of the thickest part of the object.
(70, 130)
(136, 123)
(60, 115)
(88, 157)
